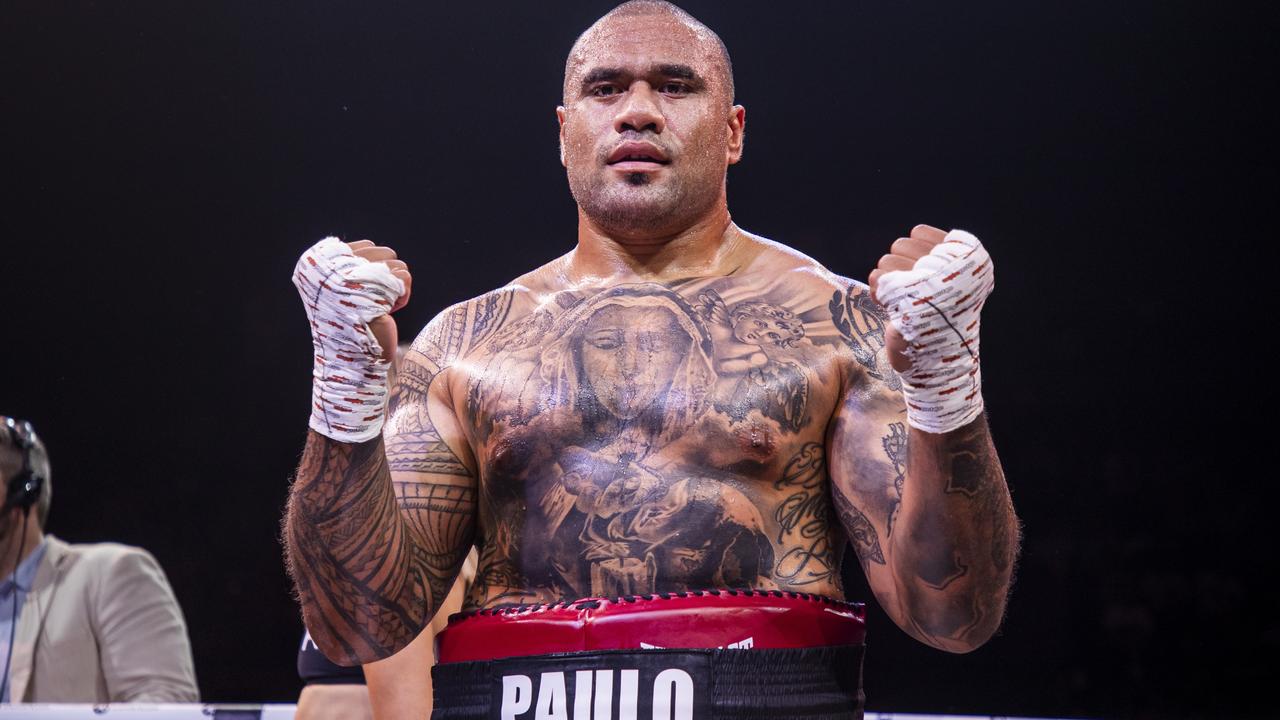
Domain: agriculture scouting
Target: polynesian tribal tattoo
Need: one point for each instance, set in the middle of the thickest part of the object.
(376, 552)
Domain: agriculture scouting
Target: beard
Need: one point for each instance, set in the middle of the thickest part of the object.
(639, 203)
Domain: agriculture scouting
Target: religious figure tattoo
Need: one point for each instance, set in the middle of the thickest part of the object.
(649, 437)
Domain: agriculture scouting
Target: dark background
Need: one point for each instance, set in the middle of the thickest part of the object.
(165, 163)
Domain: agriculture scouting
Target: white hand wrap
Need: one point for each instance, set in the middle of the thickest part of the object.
(936, 306)
(342, 294)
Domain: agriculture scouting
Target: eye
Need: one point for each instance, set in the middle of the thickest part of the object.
(605, 340)
(674, 88)
(604, 90)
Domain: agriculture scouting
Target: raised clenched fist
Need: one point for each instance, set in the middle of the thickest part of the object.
(903, 255)
(384, 326)
(933, 285)
(349, 291)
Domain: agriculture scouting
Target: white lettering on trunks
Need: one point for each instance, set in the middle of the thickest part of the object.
(746, 644)
(517, 695)
(593, 695)
(552, 699)
(673, 695)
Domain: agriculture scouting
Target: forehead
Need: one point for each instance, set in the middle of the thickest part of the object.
(629, 316)
(637, 42)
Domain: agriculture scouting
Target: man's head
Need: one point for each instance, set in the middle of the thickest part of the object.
(648, 126)
(13, 458)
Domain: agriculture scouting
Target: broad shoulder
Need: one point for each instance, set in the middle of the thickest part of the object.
(461, 328)
(778, 281)
(839, 311)
(464, 326)
(797, 269)
(800, 281)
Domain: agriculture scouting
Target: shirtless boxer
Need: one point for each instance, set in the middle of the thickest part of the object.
(675, 405)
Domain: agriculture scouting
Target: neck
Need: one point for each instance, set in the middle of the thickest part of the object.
(9, 558)
(711, 245)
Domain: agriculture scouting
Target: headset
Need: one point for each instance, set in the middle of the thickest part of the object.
(23, 491)
(25, 485)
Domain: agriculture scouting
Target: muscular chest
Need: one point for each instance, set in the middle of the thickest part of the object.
(717, 376)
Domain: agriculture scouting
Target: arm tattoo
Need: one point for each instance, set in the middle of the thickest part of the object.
(440, 516)
(413, 445)
(866, 543)
(975, 473)
(348, 557)
(896, 448)
(373, 558)
(974, 489)
(861, 322)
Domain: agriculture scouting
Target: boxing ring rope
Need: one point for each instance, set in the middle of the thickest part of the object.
(272, 711)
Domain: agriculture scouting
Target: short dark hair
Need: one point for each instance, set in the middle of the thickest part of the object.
(633, 8)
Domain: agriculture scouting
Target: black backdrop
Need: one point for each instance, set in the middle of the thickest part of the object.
(164, 164)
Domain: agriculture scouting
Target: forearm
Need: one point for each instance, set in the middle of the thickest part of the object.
(350, 554)
(956, 538)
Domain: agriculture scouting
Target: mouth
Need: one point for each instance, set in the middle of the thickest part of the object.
(637, 157)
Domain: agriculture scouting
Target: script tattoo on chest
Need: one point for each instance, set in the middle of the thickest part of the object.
(652, 438)
(805, 515)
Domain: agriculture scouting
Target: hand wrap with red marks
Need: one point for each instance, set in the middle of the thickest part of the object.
(936, 306)
(342, 294)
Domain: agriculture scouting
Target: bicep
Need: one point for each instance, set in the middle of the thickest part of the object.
(433, 472)
(867, 455)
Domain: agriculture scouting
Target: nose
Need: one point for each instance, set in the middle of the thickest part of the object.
(639, 111)
(629, 361)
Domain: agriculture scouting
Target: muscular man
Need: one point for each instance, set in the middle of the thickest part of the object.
(674, 406)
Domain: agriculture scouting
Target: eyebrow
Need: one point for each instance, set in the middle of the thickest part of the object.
(670, 70)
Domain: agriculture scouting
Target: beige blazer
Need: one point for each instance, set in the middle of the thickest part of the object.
(101, 624)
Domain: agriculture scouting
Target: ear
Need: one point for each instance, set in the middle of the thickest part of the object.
(560, 120)
(737, 133)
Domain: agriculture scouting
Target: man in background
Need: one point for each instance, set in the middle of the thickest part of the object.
(84, 622)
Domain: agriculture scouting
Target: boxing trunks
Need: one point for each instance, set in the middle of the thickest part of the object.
(678, 656)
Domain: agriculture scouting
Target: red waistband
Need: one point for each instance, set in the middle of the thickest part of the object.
(699, 619)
